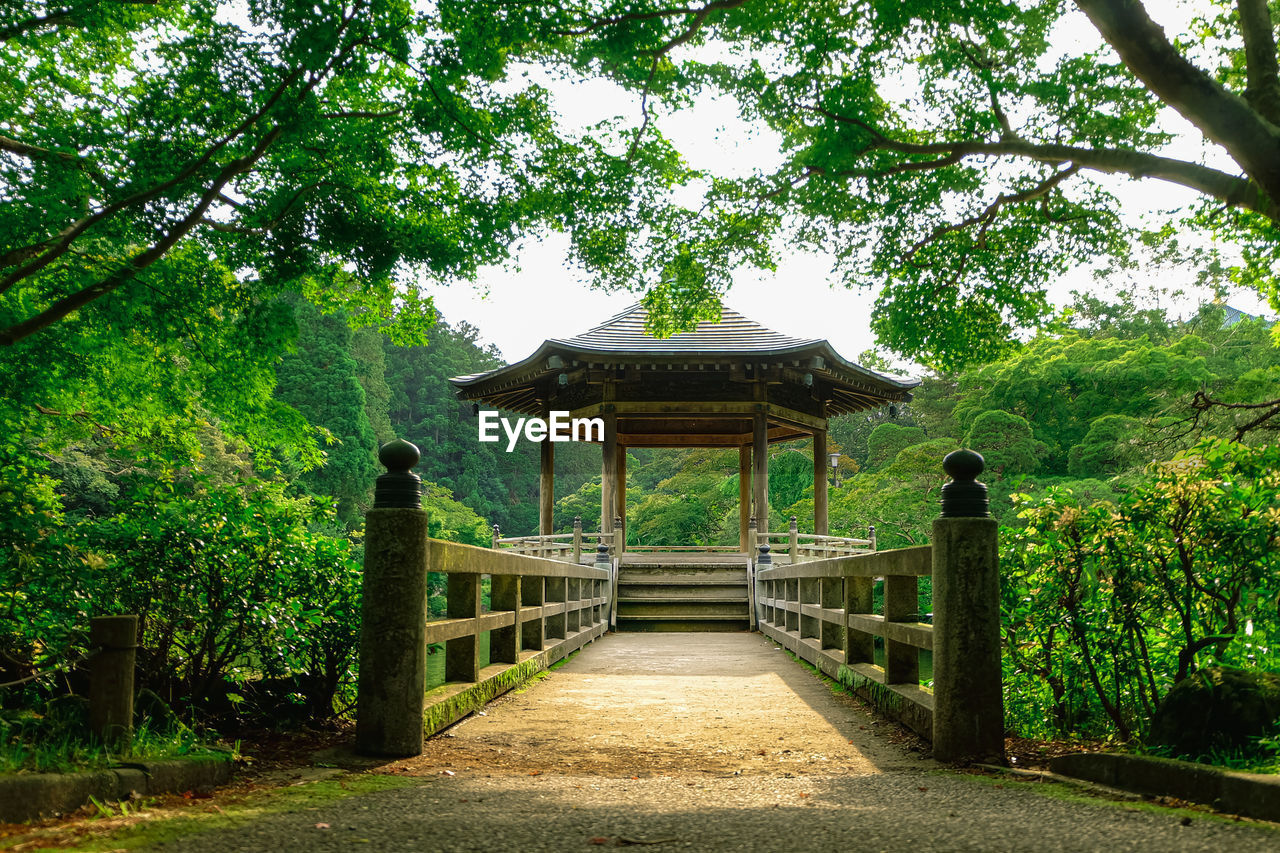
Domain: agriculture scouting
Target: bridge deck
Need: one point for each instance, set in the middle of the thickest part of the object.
(644, 704)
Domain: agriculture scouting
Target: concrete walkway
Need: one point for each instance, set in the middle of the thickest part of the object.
(707, 742)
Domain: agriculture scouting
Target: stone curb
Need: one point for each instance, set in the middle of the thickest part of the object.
(32, 796)
(1249, 794)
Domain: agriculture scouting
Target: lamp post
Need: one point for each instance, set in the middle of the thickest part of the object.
(834, 458)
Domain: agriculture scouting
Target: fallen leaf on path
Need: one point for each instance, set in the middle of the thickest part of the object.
(322, 826)
(599, 839)
(447, 773)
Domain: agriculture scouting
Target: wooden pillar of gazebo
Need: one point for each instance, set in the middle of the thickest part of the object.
(760, 470)
(620, 495)
(546, 488)
(820, 481)
(744, 495)
(608, 472)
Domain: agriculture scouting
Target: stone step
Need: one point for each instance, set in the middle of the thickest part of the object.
(709, 595)
(683, 623)
(669, 594)
(689, 577)
(666, 567)
(683, 609)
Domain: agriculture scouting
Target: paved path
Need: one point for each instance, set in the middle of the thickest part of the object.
(706, 742)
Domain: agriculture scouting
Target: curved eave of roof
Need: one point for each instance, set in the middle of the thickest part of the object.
(558, 346)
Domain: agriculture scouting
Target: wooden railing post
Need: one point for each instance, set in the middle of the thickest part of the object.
(901, 604)
(968, 718)
(115, 639)
(462, 654)
(794, 530)
(618, 543)
(533, 632)
(393, 616)
(859, 646)
(497, 534)
(504, 643)
(751, 537)
(577, 539)
(871, 535)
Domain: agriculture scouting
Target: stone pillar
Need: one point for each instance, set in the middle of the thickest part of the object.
(115, 641)
(546, 488)
(760, 469)
(393, 616)
(968, 716)
(744, 498)
(820, 482)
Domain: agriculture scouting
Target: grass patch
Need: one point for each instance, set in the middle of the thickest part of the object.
(1262, 757)
(35, 743)
(149, 827)
(1087, 796)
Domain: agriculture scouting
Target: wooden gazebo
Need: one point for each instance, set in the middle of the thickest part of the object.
(733, 383)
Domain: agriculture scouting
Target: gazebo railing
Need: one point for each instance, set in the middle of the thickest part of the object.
(685, 549)
(567, 547)
(804, 547)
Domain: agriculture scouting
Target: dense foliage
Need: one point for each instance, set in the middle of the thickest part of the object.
(1108, 604)
(243, 566)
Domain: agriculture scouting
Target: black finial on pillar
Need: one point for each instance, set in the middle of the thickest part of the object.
(398, 488)
(764, 559)
(964, 496)
(602, 554)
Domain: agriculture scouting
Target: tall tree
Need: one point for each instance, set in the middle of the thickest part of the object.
(959, 153)
(169, 169)
(322, 382)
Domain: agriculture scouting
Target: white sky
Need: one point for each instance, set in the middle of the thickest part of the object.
(538, 296)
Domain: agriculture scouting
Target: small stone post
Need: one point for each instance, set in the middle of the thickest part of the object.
(794, 530)
(968, 716)
(577, 539)
(111, 678)
(393, 617)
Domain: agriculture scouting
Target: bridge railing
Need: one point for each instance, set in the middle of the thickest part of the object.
(823, 611)
(540, 610)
